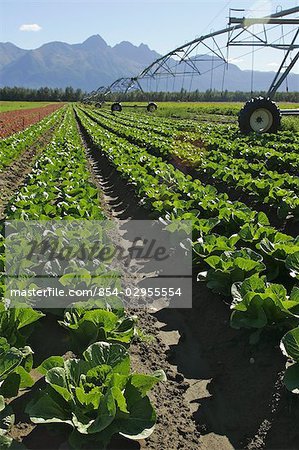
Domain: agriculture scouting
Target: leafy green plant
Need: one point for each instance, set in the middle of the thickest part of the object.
(292, 263)
(89, 326)
(230, 267)
(290, 348)
(97, 396)
(15, 144)
(16, 324)
(15, 365)
(214, 245)
(258, 304)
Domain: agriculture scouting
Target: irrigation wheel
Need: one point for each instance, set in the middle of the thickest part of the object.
(116, 107)
(259, 115)
(151, 107)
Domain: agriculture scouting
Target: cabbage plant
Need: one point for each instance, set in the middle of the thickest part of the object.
(89, 326)
(290, 348)
(16, 324)
(96, 396)
(15, 365)
(231, 267)
(258, 304)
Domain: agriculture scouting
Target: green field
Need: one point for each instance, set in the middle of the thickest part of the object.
(185, 110)
(239, 191)
(216, 112)
(13, 106)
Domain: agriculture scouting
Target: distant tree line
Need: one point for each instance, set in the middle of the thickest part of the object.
(43, 94)
(70, 94)
(198, 96)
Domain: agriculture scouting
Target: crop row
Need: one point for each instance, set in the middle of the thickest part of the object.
(164, 129)
(59, 185)
(279, 190)
(96, 394)
(266, 186)
(239, 251)
(13, 146)
(210, 137)
(17, 120)
(220, 138)
(149, 121)
(206, 137)
(168, 190)
(283, 140)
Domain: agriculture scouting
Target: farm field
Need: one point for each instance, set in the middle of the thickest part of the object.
(216, 112)
(12, 121)
(106, 376)
(194, 110)
(14, 106)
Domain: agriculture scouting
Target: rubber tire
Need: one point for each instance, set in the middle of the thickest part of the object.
(98, 105)
(116, 107)
(151, 107)
(251, 106)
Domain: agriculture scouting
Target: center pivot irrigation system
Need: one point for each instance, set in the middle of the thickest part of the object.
(278, 31)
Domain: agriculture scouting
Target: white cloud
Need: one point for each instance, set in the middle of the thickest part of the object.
(30, 27)
(273, 64)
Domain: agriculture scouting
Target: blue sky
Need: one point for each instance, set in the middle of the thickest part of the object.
(162, 25)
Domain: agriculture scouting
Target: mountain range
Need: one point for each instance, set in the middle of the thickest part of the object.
(94, 63)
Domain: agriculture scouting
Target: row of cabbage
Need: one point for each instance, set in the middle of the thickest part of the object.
(14, 145)
(261, 179)
(95, 394)
(236, 250)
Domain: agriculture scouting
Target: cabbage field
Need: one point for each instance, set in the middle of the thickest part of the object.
(221, 375)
